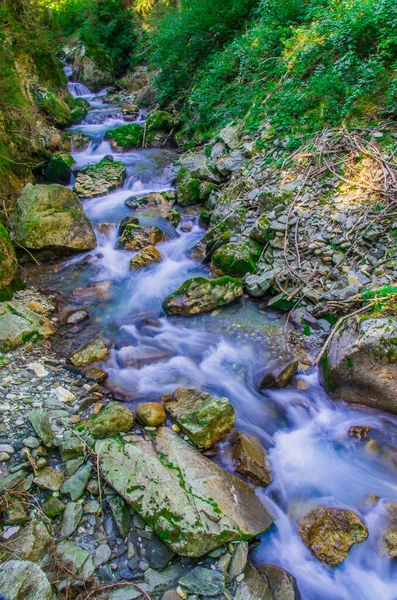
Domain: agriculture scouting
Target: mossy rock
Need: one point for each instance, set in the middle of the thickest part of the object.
(261, 230)
(56, 109)
(100, 179)
(236, 259)
(187, 188)
(79, 108)
(200, 295)
(51, 217)
(136, 238)
(161, 126)
(8, 265)
(112, 420)
(126, 137)
(59, 168)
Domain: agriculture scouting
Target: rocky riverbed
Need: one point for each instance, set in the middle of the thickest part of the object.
(163, 432)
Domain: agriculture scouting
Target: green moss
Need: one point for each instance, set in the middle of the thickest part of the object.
(60, 168)
(236, 259)
(187, 188)
(126, 137)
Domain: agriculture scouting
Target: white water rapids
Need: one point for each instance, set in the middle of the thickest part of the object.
(314, 461)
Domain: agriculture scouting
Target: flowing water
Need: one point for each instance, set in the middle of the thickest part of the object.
(313, 459)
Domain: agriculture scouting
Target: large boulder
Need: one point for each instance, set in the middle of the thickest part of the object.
(113, 419)
(200, 295)
(146, 257)
(95, 76)
(236, 259)
(361, 365)
(126, 137)
(8, 264)
(250, 458)
(19, 324)
(195, 180)
(51, 217)
(193, 505)
(23, 580)
(329, 533)
(205, 419)
(99, 179)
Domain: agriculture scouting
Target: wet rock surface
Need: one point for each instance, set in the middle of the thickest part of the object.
(201, 295)
(99, 179)
(329, 533)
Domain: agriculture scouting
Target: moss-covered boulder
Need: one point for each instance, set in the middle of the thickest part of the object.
(8, 265)
(59, 169)
(113, 419)
(187, 188)
(193, 505)
(18, 325)
(205, 419)
(146, 257)
(361, 365)
(56, 109)
(200, 295)
(236, 259)
(329, 533)
(75, 141)
(151, 414)
(22, 579)
(153, 201)
(79, 108)
(195, 180)
(100, 179)
(161, 126)
(136, 237)
(126, 137)
(51, 217)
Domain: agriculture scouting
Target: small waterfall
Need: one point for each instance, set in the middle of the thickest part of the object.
(68, 71)
(78, 90)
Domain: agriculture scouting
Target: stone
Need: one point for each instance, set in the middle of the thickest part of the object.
(121, 514)
(49, 479)
(267, 582)
(76, 484)
(192, 504)
(51, 217)
(8, 265)
(94, 292)
(125, 137)
(250, 458)
(37, 369)
(238, 560)
(52, 507)
(63, 395)
(71, 518)
(96, 375)
(200, 295)
(99, 179)
(102, 555)
(205, 582)
(77, 316)
(12, 480)
(151, 414)
(72, 556)
(30, 542)
(279, 376)
(359, 431)
(159, 582)
(59, 169)
(41, 424)
(231, 135)
(91, 507)
(260, 232)
(361, 363)
(236, 259)
(146, 257)
(136, 238)
(13, 511)
(205, 419)
(23, 580)
(113, 419)
(71, 447)
(389, 541)
(93, 352)
(18, 325)
(329, 533)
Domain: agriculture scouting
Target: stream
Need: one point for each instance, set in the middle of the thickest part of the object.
(314, 461)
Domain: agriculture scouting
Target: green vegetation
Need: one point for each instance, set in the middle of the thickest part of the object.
(126, 137)
(384, 298)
